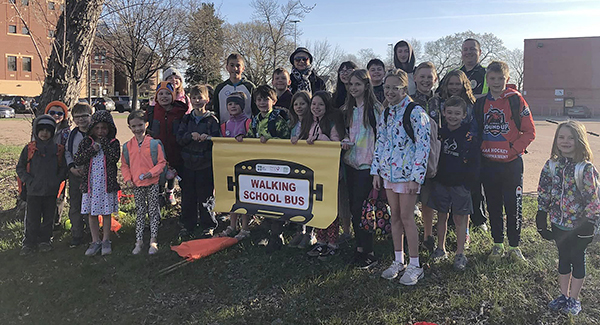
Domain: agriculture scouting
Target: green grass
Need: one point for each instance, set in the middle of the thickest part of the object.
(243, 285)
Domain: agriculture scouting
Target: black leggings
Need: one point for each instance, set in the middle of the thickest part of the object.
(571, 251)
(359, 183)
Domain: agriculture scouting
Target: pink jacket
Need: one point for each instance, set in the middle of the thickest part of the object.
(317, 134)
(140, 162)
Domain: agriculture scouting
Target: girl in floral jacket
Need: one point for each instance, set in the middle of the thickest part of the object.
(568, 194)
(399, 165)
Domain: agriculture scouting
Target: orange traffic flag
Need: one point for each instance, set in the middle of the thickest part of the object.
(199, 248)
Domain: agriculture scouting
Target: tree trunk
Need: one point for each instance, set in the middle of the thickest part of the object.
(68, 62)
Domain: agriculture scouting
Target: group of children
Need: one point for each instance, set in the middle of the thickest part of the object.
(398, 135)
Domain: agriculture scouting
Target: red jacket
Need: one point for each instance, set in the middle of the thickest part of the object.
(501, 140)
(164, 126)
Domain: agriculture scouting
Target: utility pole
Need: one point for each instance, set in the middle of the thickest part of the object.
(296, 21)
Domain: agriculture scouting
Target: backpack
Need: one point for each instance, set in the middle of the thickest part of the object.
(224, 125)
(31, 149)
(154, 144)
(435, 144)
(579, 169)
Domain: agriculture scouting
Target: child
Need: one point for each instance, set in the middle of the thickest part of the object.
(163, 125)
(454, 83)
(457, 169)
(197, 186)
(60, 112)
(402, 164)
(361, 113)
(404, 58)
(300, 121)
(303, 76)
(235, 66)
(142, 163)
(341, 87)
(82, 116)
(425, 79)
(238, 124)
(174, 77)
(327, 125)
(376, 69)
(281, 83)
(568, 194)
(99, 153)
(506, 129)
(268, 124)
(42, 168)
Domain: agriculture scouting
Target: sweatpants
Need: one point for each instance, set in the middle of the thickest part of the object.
(196, 188)
(146, 203)
(571, 251)
(39, 219)
(503, 185)
(478, 216)
(360, 184)
(77, 219)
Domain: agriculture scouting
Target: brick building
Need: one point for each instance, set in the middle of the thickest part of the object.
(560, 73)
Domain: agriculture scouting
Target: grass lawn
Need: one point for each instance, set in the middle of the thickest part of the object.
(243, 285)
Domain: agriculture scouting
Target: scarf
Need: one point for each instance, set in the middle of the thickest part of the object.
(303, 78)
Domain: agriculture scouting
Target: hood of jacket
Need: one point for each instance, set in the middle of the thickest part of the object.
(106, 117)
(411, 57)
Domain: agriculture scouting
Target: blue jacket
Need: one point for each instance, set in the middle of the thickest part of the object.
(197, 155)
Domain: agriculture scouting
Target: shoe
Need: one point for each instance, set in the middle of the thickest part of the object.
(516, 255)
(559, 303)
(365, 261)
(393, 271)
(138, 247)
(483, 227)
(153, 248)
(94, 248)
(26, 250)
(307, 241)
(44, 247)
(243, 234)
(467, 241)
(496, 254)
(296, 240)
(439, 255)
(460, 262)
(328, 252)
(227, 232)
(316, 250)
(208, 232)
(183, 236)
(429, 244)
(106, 248)
(275, 244)
(417, 212)
(343, 238)
(76, 241)
(572, 307)
(412, 275)
(170, 198)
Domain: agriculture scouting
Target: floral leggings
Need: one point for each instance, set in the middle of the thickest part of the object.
(146, 202)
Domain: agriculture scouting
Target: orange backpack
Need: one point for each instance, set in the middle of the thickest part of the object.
(31, 149)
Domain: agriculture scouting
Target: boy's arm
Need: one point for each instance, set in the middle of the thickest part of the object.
(68, 155)
(85, 152)
(63, 168)
(215, 128)
(527, 130)
(283, 129)
(125, 170)
(22, 167)
(422, 131)
(472, 159)
(183, 136)
(161, 163)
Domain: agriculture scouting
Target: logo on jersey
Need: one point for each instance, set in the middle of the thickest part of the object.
(525, 112)
(494, 122)
(450, 147)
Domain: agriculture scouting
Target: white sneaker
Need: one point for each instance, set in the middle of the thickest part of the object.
(243, 234)
(153, 248)
(393, 271)
(138, 247)
(412, 275)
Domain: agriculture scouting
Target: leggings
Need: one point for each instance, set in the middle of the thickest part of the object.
(571, 251)
(146, 202)
(329, 234)
(360, 183)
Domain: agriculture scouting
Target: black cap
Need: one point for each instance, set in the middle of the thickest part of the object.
(298, 50)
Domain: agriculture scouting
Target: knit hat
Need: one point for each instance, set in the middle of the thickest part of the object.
(165, 85)
(45, 122)
(59, 104)
(237, 98)
(170, 72)
(298, 50)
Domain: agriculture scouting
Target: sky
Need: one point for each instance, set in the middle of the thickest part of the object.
(358, 24)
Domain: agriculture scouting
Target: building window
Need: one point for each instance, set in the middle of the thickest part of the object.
(27, 64)
(12, 63)
(12, 29)
(93, 75)
(51, 5)
(96, 58)
(103, 56)
(25, 2)
(12, 1)
(93, 91)
(106, 77)
(24, 30)
(51, 33)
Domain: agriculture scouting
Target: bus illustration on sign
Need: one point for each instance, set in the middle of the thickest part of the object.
(274, 188)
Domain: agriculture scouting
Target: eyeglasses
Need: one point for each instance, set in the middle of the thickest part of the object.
(300, 58)
(57, 113)
(396, 88)
(346, 71)
(81, 116)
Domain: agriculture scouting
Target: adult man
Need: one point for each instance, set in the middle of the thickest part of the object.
(470, 54)
(303, 77)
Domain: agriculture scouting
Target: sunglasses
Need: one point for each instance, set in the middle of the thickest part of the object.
(57, 113)
(81, 116)
(299, 59)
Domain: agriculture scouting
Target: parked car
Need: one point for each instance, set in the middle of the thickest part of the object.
(18, 103)
(7, 111)
(579, 111)
(103, 103)
(123, 103)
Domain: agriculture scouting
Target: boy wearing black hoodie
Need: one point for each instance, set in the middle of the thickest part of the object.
(42, 168)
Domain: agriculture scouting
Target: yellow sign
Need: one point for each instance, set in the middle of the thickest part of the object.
(277, 179)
